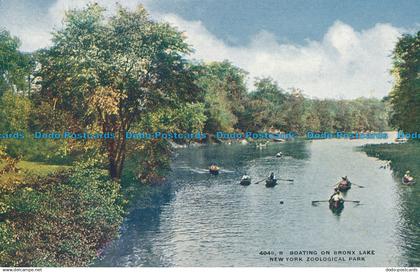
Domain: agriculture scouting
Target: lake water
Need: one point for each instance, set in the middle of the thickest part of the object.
(203, 220)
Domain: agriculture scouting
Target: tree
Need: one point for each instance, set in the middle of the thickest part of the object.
(324, 109)
(266, 105)
(108, 73)
(14, 112)
(294, 111)
(225, 95)
(405, 96)
(15, 66)
(232, 84)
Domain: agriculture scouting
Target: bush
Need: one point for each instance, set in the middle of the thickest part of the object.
(63, 219)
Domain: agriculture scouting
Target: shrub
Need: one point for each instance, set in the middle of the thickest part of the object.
(63, 219)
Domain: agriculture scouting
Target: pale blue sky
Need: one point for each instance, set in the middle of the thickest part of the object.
(329, 48)
(235, 21)
(294, 20)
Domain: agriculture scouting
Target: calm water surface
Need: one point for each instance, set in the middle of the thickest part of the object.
(203, 220)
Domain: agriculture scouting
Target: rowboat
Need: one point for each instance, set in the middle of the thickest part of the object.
(214, 169)
(336, 206)
(270, 182)
(261, 145)
(344, 187)
(407, 181)
(245, 180)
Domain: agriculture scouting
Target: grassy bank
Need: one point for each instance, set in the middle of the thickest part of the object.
(403, 157)
(50, 216)
(27, 169)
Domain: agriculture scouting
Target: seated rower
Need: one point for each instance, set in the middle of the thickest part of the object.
(245, 177)
(407, 177)
(214, 169)
(272, 177)
(213, 166)
(344, 181)
(336, 196)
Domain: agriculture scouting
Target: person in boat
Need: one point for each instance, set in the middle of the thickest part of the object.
(407, 177)
(272, 177)
(336, 196)
(214, 167)
(245, 177)
(344, 181)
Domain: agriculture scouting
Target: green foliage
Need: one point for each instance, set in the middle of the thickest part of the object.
(294, 111)
(265, 106)
(153, 156)
(232, 84)
(268, 89)
(190, 118)
(405, 96)
(71, 214)
(187, 118)
(218, 110)
(15, 66)
(19, 115)
(15, 111)
(225, 95)
(153, 161)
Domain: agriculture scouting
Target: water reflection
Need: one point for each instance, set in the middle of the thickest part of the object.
(410, 223)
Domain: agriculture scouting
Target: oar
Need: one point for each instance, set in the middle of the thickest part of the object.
(317, 201)
(360, 186)
(260, 181)
(285, 179)
(354, 201)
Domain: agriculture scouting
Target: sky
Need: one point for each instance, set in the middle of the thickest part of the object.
(327, 48)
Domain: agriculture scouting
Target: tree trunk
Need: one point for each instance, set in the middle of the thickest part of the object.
(116, 147)
(113, 169)
(116, 156)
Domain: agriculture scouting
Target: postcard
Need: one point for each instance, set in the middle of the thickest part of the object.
(209, 134)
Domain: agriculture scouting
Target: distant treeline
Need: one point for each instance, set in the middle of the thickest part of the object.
(230, 106)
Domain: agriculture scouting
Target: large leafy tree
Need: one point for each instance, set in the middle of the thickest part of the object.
(405, 96)
(225, 94)
(232, 83)
(294, 111)
(267, 104)
(110, 72)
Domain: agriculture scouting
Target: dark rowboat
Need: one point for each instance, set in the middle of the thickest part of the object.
(214, 170)
(270, 182)
(336, 206)
(407, 181)
(344, 187)
(245, 181)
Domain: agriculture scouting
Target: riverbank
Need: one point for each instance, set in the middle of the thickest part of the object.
(57, 216)
(402, 157)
